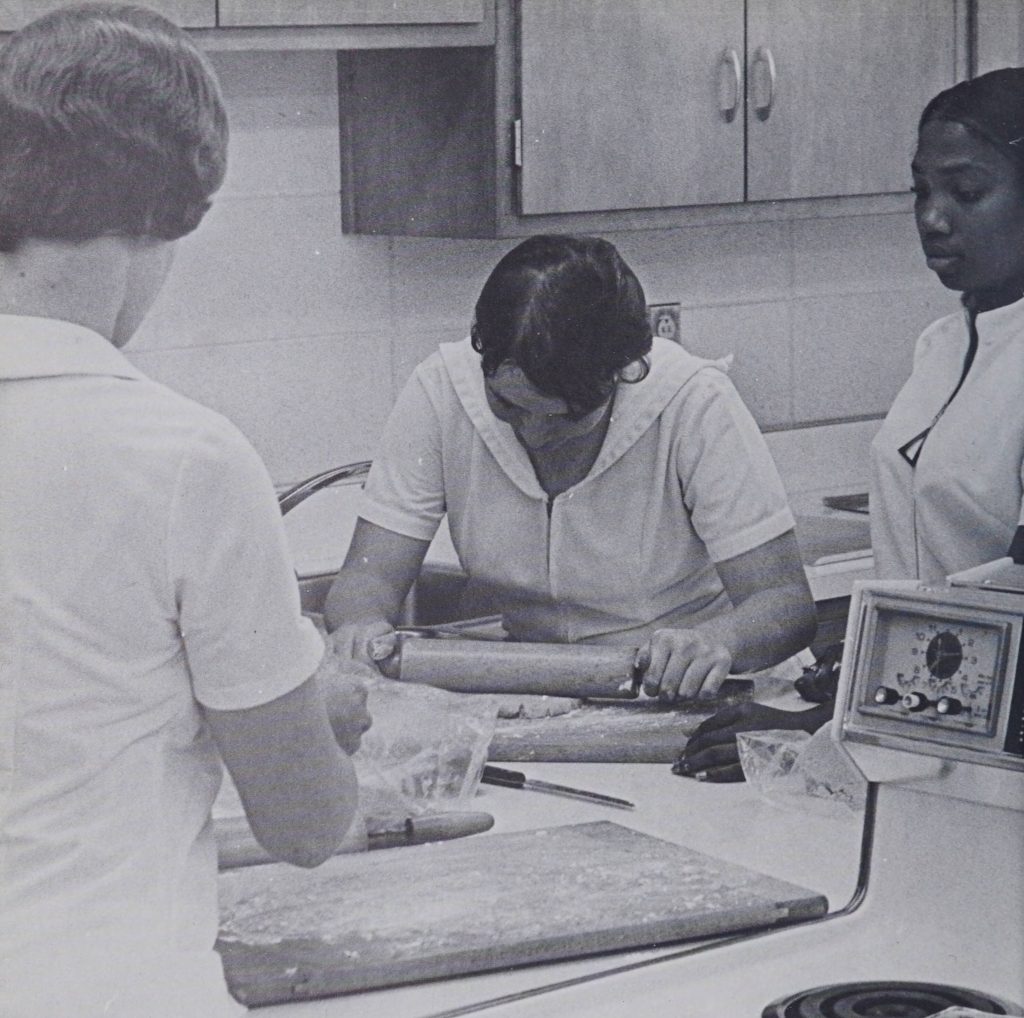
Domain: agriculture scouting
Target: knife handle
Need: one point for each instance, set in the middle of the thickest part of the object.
(502, 776)
(418, 830)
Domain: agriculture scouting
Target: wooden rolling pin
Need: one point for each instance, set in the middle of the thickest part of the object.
(487, 666)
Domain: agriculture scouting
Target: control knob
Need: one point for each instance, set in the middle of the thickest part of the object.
(915, 702)
(948, 705)
(885, 695)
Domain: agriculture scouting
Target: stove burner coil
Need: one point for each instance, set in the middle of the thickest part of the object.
(893, 999)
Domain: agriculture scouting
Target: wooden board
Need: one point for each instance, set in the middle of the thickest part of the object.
(633, 731)
(405, 915)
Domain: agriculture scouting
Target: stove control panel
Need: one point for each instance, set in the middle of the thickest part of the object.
(937, 670)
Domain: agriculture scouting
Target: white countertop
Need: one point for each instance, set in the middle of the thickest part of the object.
(727, 821)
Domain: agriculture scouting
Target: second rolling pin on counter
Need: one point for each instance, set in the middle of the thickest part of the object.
(488, 666)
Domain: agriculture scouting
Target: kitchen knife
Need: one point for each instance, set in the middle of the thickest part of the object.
(237, 847)
(516, 779)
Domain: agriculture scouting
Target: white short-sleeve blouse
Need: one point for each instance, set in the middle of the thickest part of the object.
(683, 480)
(961, 504)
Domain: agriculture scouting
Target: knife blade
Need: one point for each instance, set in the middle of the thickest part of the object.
(516, 779)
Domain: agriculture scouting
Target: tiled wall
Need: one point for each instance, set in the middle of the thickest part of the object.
(302, 335)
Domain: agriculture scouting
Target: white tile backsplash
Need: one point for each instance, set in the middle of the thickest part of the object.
(283, 122)
(306, 404)
(757, 337)
(303, 335)
(272, 268)
(858, 253)
(711, 265)
(436, 282)
(852, 352)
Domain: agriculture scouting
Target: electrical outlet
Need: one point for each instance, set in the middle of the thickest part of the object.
(664, 320)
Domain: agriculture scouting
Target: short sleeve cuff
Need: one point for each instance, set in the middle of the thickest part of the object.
(765, 530)
(398, 521)
(264, 670)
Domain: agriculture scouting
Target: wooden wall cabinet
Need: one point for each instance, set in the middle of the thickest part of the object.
(279, 13)
(623, 114)
(999, 35)
(850, 82)
(185, 13)
(308, 24)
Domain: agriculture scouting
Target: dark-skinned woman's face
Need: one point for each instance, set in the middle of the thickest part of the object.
(969, 207)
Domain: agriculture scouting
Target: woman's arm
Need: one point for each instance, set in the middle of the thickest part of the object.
(367, 594)
(297, 787)
(772, 617)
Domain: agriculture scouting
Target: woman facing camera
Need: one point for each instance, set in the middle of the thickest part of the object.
(948, 463)
(601, 486)
(947, 489)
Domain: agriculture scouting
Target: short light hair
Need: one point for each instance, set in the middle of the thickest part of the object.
(111, 122)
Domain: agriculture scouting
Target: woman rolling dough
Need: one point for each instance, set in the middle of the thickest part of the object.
(601, 487)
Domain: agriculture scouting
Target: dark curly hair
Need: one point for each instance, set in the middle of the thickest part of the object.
(111, 122)
(568, 311)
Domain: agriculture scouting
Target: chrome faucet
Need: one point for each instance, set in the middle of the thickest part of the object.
(289, 499)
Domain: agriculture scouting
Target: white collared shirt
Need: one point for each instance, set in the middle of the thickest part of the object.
(143, 571)
(683, 480)
(961, 505)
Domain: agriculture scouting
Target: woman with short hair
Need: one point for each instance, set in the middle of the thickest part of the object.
(599, 486)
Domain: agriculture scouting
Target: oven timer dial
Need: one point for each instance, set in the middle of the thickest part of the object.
(944, 654)
(935, 668)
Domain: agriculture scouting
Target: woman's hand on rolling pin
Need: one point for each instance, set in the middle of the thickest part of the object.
(681, 664)
(365, 642)
(711, 753)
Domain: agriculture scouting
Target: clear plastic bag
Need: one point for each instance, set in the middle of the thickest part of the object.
(426, 747)
(425, 750)
(801, 771)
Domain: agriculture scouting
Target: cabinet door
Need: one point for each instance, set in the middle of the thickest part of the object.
(252, 13)
(630, 105)
(835, 89)
(184, 13)
(999, 34)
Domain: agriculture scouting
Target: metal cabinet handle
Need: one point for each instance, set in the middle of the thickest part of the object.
(730, 84)
(763, 58)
